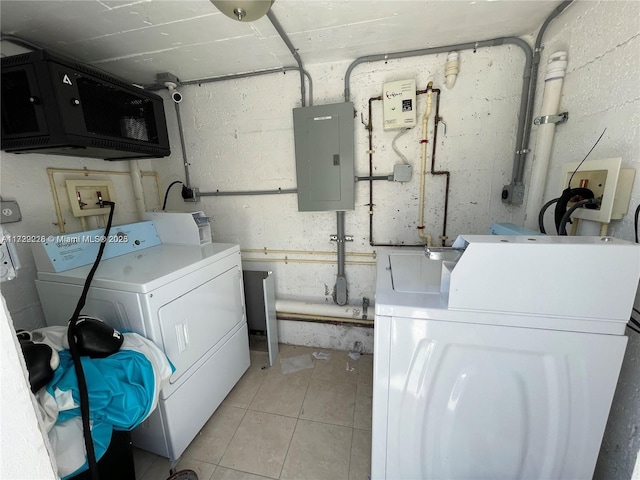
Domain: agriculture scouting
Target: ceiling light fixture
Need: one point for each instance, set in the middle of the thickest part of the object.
(243, 10)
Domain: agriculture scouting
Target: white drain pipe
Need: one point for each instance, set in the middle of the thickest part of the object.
(556, 70)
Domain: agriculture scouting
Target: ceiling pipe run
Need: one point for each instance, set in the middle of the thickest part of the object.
(254, 74)
(526, 76)
(276, 24)
(515, 190)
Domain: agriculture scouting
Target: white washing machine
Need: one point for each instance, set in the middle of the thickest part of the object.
(190, 302)
(499, 360)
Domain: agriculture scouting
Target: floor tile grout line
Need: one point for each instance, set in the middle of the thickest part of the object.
(232, 437)
(350, 453)
(288, 448)
(304, 398)
(327, 423)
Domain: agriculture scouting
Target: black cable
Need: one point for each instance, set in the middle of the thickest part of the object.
(166, 194)
(635, 222)
(636, 310)
(541, 214)
(562, 229)
(635, 322)
(73, 348)
(585, 157)
(569, 195)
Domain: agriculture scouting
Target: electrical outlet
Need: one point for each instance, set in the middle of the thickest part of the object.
(9, 211)
(85, 196)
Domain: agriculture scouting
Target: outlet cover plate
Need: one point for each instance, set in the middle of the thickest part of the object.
(9, 211)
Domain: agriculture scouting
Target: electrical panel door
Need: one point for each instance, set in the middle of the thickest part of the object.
(324, 157)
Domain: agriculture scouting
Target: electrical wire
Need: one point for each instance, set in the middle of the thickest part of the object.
(542, 212)
(580, 164)
(562, 229)
(395, 149)
(166, 194)
(75, 355)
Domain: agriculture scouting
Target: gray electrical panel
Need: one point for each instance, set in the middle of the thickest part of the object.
(324, 157)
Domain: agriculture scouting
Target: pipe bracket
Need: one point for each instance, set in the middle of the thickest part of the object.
(559, 118)
(336, 238)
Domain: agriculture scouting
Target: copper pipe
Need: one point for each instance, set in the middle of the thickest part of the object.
(440, 172)
(433, 171)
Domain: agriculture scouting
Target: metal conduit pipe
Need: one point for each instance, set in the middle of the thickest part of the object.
(375, 177)
(525, 99)
(218, 193)
(292, 49)
(254, 74)
(433, 50)
(340, 294)
(187, 181)
(519, 175)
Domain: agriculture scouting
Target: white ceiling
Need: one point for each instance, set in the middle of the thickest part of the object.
(135, 40)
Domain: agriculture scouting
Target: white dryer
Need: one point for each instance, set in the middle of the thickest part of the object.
(501, 363)
(189, 301)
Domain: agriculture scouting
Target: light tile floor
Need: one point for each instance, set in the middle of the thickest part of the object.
(311, 424)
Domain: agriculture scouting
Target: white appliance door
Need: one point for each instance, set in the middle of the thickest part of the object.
(480, 401)
(195, 322)
(268, 288)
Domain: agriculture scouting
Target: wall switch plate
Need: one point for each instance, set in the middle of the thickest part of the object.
(9, 211)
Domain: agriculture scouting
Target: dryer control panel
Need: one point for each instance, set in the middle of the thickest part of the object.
(58, 253)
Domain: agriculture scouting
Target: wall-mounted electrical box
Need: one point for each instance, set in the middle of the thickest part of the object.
(399, 104)
(324, 145)
(86, 196)
(608, 182)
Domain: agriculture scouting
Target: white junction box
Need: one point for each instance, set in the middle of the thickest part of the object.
(399, 104)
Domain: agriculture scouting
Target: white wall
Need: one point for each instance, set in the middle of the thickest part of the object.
(239, 137)
(601, 90)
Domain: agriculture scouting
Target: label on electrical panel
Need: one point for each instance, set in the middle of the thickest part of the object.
(399, 100)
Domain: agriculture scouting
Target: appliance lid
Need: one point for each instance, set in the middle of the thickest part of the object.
(146, 270)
